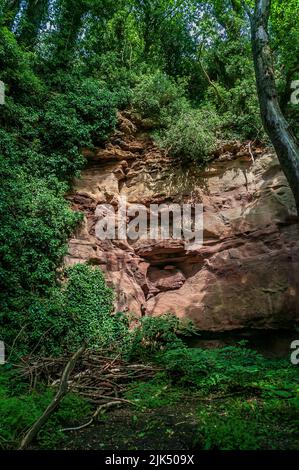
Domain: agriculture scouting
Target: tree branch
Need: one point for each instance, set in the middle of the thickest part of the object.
(63, 389)
(210, 81)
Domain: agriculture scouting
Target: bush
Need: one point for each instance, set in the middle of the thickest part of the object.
(67, 316)
(192, 136)
(185, 366)
(81, 117)
(229, 429)
(239, 110)
(45, 122)
(36, 221)
(78, 312)
(248, 424)
(157, 97)
(155, 334)
(187, 134)
(17, 71)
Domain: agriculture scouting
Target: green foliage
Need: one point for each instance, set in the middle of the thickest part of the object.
(45, 122)
(228, 370)
(89, 118)
(248, 424)
(17, 70)
(285, 39)
(188, 134)
(36, 221)
(157, 97)
(229, 428)
(186, 67)
(19, 410)
(184, 366)
(154, 394)
(63, 88)
(75, 313)
(192, 135)
(243, 401)
(239, 111)
(154, 334)
(229, 73)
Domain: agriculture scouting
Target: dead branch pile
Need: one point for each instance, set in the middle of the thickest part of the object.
(98, 378)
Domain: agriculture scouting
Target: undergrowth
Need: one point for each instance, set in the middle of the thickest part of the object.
(241, 399)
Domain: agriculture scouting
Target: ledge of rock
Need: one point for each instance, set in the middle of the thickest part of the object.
(246, 274)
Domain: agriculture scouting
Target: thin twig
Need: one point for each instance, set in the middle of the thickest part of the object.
(15, 340)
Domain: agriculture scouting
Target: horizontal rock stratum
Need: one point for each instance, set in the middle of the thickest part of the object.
(247, 272)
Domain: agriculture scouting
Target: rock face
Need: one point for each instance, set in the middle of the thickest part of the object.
(246, 274)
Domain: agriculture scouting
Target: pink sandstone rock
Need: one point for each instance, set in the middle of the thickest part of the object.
(247, 272)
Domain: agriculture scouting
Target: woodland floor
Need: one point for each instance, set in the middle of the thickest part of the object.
(175, 427)
(170, 428)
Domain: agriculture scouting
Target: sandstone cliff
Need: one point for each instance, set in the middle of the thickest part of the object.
(247, 272)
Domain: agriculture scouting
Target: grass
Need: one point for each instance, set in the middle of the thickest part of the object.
(230, 399)
(19, 409)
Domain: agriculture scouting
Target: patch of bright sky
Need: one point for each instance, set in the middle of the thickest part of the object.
(17, 19)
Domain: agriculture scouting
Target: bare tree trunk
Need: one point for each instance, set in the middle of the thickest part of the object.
(275, 124)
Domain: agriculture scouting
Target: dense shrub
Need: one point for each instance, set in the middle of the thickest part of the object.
(153, 334)
(238, 110)
(36, 221)
(236, 428)
(188, 134)
(157, 97)
(191, 137)
(45, 122)
(83, 116)
(75, 313)
(17, 71)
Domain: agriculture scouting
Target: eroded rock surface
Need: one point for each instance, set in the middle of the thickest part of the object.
(247, 272)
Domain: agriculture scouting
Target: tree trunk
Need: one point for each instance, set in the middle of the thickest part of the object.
(275, 124)
(31, 21)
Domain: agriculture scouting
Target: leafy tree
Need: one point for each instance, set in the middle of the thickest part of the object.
(284, 24)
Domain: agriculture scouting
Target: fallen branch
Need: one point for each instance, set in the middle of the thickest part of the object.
(62, 390)
(95, 376)
(94, 416)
